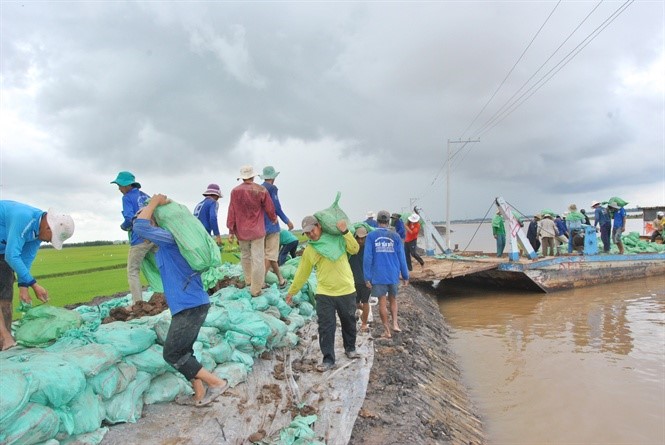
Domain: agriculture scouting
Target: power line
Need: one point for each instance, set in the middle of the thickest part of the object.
(558, 67)
(506, 103)
(512, 69)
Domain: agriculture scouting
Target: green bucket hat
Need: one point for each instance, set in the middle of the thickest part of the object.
(126, 178)
(269, 172)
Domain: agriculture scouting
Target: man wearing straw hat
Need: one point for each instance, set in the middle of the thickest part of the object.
(245, 222)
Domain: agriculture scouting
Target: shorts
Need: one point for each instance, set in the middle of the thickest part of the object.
(380, 290)
(616, 235)
(362, 293)
(6, 280)
(272, 246)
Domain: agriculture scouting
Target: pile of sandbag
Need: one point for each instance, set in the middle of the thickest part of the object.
(87, 373)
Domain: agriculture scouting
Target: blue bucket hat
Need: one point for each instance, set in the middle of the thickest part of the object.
(126, 178)
(269, 172)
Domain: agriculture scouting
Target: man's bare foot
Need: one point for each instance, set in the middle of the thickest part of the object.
(8, 344)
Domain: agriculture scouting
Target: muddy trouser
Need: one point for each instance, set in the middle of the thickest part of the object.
(410, 249)
(548, 246)
(345, 307)
(287, 249)
(252, 260)
(6, 291)
(136, 255)
(179, 344)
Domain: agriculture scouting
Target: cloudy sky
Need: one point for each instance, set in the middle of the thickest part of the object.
(566, 99)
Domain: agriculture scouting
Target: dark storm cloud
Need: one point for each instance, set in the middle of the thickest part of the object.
(171, 88)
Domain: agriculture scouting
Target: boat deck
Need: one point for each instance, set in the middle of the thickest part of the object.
(565, 271)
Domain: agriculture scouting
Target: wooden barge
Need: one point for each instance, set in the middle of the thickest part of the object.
(544, 274)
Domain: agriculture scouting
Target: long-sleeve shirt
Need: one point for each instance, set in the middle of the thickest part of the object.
(273, 227)
(547, 228)
(206, 212)
(245, 218)
(399, 228)
(384, 257)
(132, 201)
(19, 238)
(601, 216)
(334, 278)
(183, 288)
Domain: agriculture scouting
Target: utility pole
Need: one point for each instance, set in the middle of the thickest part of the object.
(448, 232)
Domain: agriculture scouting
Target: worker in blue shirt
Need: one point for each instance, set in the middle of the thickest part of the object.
(22, 230)
(619, 225)
(188, 302)
(133, 199)
(206, 211)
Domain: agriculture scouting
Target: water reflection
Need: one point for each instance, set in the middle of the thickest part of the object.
(538, 363)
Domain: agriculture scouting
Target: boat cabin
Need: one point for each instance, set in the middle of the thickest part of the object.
(648, 215)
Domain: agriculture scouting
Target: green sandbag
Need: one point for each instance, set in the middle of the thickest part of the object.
(330, 246)
(151, 272)
(195, 244)
(165, 388)
(16, 391)
(233, 373)
(328, 218)
(82, 415)
(44, 324)
(127, 406)
(37, 423)
(575, 216)
(620, 202)
(113, 380)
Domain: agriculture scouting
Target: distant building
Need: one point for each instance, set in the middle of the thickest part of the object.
(648, 215)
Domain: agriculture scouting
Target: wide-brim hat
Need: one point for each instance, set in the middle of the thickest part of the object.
(62, 227)
(414, 217)
(214, 190)
(361, 232)
(370, 214)
(269, 172)
(594, 203)
(614, 205)
(126, 178)
(246, 172)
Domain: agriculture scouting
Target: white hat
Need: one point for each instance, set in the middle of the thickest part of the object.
(62, 227)
(370, 214)
(414, 218)
(660, 214)
(246, 172)
(594, 203)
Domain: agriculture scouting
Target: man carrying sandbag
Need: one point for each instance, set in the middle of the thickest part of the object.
(188, 302)
(22, 230)
(336, 291)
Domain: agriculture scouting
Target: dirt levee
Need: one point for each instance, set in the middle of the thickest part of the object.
(415, 394)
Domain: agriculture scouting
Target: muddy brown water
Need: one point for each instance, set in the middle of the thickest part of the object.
(581, 366)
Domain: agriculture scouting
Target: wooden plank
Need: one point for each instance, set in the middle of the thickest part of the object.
(441, 269)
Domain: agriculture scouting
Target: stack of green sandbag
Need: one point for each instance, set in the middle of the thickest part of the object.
(95, 373)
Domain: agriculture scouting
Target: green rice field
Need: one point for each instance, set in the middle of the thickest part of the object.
(79, 274)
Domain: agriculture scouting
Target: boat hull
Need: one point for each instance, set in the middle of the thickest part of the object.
(564, 272)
